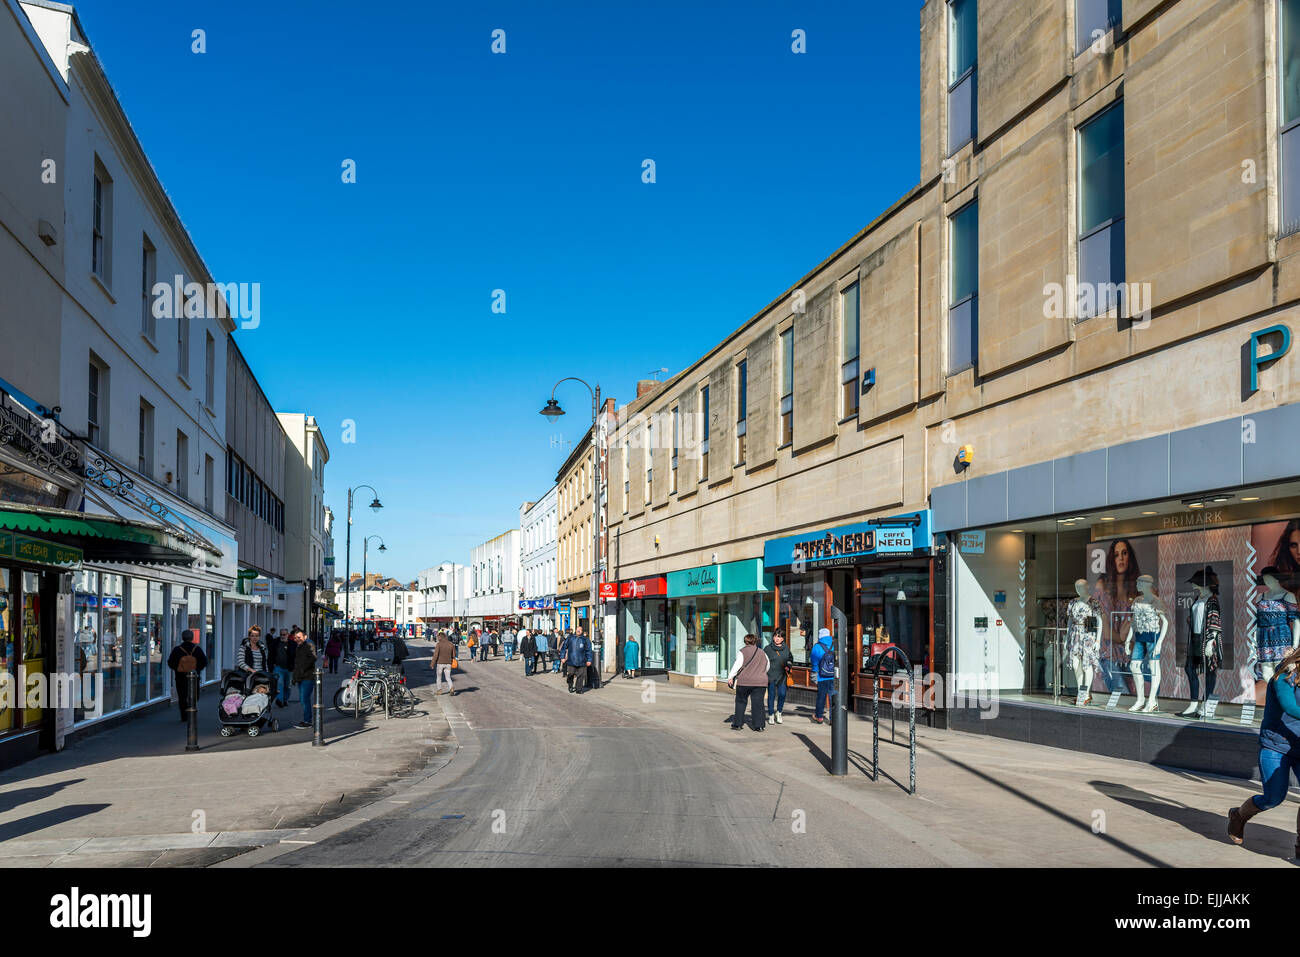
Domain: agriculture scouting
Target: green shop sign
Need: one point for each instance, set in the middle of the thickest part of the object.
(24, 549)
(727, 579)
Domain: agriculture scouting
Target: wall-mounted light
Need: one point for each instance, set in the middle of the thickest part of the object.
(868, 379)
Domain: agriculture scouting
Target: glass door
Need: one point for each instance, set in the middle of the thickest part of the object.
(9, 718)
(32, 649)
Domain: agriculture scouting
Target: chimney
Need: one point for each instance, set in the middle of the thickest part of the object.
(646, 386)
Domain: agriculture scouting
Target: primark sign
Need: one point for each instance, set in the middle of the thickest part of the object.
(848, 545)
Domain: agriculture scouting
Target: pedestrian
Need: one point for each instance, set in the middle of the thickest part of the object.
(512, 642)
(823, 667)
(631, 657)
(400, 653)
(272, 643)
(333, 650)
(186, 657)
(286, 655)
(484, 642)
(528, 651)
(576, 659)
(556, 646)
(304, 672)
(496, 643)
(540, 647)
(779, 664)
(748, 675)
(1279, 747)
(250, 656)
(444, 657)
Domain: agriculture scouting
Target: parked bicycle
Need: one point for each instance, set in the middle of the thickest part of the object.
(374, 685)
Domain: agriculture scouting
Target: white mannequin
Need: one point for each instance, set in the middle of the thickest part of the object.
(1147, 595)
(1082, 675)
(1197, 707)
(1274, 590)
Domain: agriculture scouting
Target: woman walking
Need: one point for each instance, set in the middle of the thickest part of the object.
(333, 650)
(1279, 747)
(631, 657)
(748, 675)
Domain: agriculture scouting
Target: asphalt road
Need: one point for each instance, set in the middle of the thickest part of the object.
(549, 778)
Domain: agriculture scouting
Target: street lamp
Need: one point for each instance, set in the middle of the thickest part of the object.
(376, 505)
(365, 554)
(552, 410)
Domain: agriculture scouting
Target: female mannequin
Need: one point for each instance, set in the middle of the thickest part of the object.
(1146, 632)
(1204, 637)
(1083, 638)
(1277, 629)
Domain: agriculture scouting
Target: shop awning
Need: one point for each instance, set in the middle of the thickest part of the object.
(100, 539)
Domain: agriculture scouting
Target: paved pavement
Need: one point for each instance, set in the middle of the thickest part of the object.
(639, 773)
(132, 796)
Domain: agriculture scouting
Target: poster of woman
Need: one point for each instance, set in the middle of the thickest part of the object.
(1113, 569)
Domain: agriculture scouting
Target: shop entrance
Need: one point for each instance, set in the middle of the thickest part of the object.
(27, 606)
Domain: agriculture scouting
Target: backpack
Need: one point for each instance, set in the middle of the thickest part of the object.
(188, 662)
(826, 666)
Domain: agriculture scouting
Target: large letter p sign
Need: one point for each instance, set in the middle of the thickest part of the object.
(1256, 360)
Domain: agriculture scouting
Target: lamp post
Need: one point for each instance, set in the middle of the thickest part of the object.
(365, 554)
(553, 410)
(376, 505)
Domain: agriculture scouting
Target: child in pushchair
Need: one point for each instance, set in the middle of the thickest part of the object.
(246, 702)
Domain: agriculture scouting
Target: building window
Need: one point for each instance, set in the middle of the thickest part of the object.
(182, 465)
(146, 439)
(963, 288)
(649, 459)
(627, 481)
(207, 483)
(704, 445)
(677, 425)
(1289, 57)
(148, 276)
(849, 352)
(210, 372)
(96, 400)
(787, 387)
(1094, 19)
(742, 407)
(961, 73)
(183, 346)
(1101, 212)
(101, 224)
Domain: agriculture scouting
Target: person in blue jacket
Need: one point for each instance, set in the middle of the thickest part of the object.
(1279, 747)
(631, 658)
(825, 685)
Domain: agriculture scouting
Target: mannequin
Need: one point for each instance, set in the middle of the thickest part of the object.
(1277, 629)
(1204, 638)
(1146, 633)
(1083, 637)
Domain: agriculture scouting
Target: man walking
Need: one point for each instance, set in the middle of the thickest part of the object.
(576, 659)
(484, 639)
(823, 667)
(528, 651)
(304, 673)
(510, 637)
(186, 657)
(779, 663)
(444, 654)
(286, 655)
(540, 648)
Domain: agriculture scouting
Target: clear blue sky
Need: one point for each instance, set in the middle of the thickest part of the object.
(519, 172)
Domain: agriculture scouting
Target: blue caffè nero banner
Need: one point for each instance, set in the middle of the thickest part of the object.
(848, 544)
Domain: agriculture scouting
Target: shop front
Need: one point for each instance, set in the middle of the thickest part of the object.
(709, 611)
(642, 616)
(538, 613)
(867, 583)
(1137, 603)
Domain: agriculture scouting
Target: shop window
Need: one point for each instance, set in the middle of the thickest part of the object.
(1094, 19)
(113, 654)
(1101, 212)
(963, 289)
(87, 648)
(849, 304)
(157, 650)
(787, 388)
(802, 612)
(961, 73)
(8, 646)
(1289, 60)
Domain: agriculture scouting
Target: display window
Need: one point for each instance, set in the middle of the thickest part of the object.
(1177, 609)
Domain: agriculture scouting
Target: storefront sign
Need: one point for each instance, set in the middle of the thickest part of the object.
(608, 591)
(24, 549)
(643, 587)
(728, 578)
(1283, 335)
(849, 544)
(536, 604)
(971, 543)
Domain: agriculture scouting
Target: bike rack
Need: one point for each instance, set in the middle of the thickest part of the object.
(873, 666)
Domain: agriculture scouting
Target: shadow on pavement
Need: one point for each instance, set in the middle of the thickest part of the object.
(11, 799)
(815, 750)
(39, 822)
(1261, 838)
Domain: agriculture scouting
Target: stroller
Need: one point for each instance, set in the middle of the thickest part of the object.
(242, 684)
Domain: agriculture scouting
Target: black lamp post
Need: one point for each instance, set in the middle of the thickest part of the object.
(376, 505)
(365, 554)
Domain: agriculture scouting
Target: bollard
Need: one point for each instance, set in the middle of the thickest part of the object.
(318, 716)
(911, 731)
(839, 712)
(875, 724)
(192, 728)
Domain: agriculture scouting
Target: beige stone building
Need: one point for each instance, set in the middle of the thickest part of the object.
(1059, 337)
(574, 490)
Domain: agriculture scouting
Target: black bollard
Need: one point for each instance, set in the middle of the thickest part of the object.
(192, 726)
(318, 717)
(839, 711)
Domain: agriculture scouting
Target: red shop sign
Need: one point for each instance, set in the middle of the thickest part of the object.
(643, 587)
(608, 590)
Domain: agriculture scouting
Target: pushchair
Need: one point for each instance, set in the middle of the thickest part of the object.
(242, 683)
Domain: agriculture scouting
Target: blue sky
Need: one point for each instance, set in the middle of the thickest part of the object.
(519, 172)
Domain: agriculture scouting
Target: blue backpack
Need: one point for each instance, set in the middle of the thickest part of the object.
(826, 666)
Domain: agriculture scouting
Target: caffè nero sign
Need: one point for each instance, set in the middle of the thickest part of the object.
(848, 544)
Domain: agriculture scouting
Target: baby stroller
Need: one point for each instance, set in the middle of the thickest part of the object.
(242, 685)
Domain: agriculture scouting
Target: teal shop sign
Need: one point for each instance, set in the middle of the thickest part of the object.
(1283, 335)
(726, 579)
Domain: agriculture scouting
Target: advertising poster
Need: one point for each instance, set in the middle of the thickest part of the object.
(1114, 567)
